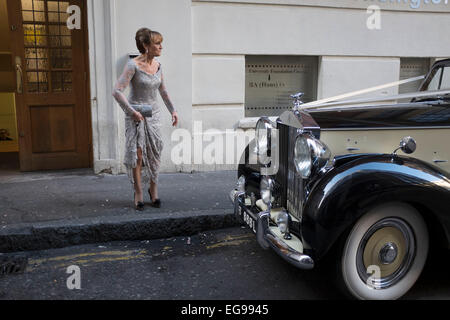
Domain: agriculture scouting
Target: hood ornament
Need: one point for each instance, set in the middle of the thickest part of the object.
(297, 101)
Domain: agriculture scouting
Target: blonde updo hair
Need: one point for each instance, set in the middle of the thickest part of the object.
(147, 37)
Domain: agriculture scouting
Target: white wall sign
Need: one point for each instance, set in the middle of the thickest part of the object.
(270, 80)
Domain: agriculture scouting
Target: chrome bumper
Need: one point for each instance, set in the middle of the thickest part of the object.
(265, 237)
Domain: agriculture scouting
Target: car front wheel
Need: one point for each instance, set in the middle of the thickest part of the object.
(384, 253)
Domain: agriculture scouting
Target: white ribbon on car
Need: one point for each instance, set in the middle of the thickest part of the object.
(334, 101)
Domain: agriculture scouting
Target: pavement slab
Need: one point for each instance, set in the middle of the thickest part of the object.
(56, 209)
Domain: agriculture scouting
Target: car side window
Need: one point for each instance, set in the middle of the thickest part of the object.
(433, 84)
(445, 82)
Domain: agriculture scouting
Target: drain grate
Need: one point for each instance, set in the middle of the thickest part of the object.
(12, 265)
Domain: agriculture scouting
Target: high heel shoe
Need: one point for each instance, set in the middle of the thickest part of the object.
(139, 205)
(156, 203)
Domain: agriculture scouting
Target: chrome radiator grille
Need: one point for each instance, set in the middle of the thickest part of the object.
(291, 182)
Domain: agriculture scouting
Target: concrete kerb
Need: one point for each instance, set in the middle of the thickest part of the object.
(63, 233)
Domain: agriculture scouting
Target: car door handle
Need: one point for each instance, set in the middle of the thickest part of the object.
(440, 161)
(352, 149)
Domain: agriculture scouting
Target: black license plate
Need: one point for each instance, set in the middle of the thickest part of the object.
(248, 219)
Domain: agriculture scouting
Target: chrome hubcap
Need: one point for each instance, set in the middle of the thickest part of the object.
(388, 253)
(390, 246)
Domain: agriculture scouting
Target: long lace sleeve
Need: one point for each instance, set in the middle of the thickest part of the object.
(165, 95)
(121, 85)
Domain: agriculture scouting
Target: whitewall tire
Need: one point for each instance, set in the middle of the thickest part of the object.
(384, 253)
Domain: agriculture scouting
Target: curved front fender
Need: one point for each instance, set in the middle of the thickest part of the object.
(345, 193)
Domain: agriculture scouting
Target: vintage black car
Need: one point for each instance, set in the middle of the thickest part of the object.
(333, 182)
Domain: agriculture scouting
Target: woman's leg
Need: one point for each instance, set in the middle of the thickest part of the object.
(137, 177)
(153, 190)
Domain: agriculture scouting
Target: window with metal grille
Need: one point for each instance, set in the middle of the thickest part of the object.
(48, 46)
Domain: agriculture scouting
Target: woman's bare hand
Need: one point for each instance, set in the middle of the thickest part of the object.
(174, 118)
(137, 116)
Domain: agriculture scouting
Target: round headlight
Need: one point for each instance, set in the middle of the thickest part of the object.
(310, 153)
(266, 187)
(321, 154)
(302, 157)
(240, 185)
(262, 135)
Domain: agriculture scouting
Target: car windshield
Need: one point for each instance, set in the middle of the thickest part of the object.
(439, 79)
(445, 82)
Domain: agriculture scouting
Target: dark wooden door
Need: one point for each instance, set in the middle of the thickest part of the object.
(52, 85)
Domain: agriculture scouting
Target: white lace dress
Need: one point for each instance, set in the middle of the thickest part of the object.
(147, 134)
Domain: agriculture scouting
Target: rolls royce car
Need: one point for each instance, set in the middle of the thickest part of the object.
(364, 188)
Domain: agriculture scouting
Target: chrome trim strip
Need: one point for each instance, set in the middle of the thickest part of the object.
(371, 107)
(383, 128)
(294, 203)
(262, 225)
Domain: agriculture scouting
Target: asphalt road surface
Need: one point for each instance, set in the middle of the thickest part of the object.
(224, 264)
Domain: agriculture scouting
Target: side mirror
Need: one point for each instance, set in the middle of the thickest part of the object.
(408, 145)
